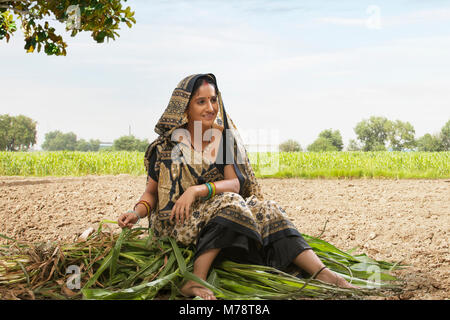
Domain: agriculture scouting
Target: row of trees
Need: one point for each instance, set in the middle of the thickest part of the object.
(377, 134)
(17, 133)
(56, 140)
(374, 134)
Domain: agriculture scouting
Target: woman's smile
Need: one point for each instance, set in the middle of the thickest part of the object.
(203, 107)
(209, 116)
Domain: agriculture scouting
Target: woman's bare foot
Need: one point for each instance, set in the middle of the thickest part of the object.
(193, 289)
(328, 276)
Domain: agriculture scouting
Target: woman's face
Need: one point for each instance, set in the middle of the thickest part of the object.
(203, 106)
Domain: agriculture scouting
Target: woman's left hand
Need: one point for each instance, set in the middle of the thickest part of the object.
(180, 210)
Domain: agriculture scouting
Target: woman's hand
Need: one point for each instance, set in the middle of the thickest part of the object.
(180, 210)
(127, 220)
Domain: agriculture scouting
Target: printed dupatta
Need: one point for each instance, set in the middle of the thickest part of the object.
(173, 165)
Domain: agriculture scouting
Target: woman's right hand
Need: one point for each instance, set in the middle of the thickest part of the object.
(127, 220)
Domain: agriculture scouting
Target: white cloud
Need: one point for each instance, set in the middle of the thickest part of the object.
(304, 94)
(421, 16)
(267, 78)
(342, 21)
(424, 55)
(377, 15)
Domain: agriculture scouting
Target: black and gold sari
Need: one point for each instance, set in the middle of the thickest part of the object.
(245, 226)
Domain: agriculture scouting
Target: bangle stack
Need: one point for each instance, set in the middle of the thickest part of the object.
(211, 190)
(146, 204)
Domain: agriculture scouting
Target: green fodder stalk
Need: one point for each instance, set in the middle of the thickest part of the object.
(134, 265)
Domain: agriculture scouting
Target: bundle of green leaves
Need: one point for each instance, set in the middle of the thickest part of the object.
(136, 265)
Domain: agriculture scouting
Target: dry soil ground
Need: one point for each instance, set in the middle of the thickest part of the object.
(391, 220)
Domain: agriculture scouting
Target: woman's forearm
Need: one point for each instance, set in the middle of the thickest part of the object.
(229, 185)
(152, 198)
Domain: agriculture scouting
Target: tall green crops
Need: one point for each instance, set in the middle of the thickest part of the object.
(71, 163)
(281, 165)
(352, 164)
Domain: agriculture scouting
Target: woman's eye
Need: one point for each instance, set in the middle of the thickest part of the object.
(214, 100)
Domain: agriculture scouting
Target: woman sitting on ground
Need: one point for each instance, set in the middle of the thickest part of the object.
(201, 190)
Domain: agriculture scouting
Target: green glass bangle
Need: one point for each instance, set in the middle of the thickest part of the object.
(209, 192)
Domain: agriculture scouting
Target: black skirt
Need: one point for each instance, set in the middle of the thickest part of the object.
(240, 248)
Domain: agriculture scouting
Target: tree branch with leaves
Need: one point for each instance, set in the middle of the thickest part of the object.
(36, 17)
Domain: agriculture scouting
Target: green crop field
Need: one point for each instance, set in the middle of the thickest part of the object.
(352, 164)
(71, 163)
(282, 165)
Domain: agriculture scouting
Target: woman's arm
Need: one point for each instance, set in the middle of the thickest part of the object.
(229, 184)
(181, 209)
(151, 195)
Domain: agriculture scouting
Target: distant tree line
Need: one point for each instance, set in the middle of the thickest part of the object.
(56, 140)
(17, 133)
(375, 134)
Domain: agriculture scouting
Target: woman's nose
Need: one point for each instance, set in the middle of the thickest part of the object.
(210, 106)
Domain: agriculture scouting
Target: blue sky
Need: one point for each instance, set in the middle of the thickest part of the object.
(287, 68)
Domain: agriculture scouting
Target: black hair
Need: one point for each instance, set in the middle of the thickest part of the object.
(198, 83)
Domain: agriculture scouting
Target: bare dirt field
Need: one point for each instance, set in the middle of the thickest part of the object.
(391, 220)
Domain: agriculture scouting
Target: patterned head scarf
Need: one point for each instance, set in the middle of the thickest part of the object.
(175, 173)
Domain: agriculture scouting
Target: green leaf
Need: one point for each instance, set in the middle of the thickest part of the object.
(178, 255)
(6, 237)
(105, 264)
(116, 250)
(146, 269)
(141, 292)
